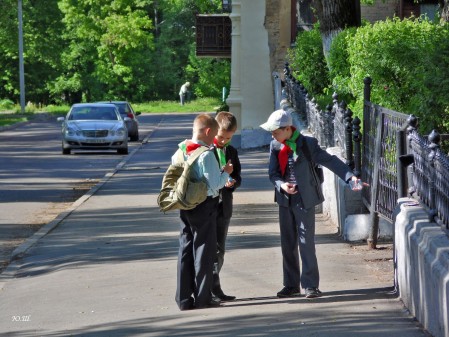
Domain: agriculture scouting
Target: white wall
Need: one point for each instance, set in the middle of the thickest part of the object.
(422, 266)
(256, 81)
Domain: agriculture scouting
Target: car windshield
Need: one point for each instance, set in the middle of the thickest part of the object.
(93, 113)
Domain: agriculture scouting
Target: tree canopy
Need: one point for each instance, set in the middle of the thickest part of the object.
(84, 50)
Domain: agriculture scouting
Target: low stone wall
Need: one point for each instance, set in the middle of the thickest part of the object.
(422, 266)
(346, 209)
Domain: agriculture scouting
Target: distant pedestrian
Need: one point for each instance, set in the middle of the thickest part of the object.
(197, 238)
(225, 152)
(184, 93)
(297, 192)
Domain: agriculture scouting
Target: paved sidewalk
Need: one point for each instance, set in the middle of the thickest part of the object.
(109, 268)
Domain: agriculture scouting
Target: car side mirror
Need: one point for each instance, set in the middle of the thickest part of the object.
(126, 119)
(60, 119)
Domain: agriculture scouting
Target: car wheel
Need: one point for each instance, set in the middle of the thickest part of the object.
(135, 137)
(65, 151)
(122, 151)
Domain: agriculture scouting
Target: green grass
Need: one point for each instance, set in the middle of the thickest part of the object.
(12, 115)
(8, 120)
(197, 105)
(56, 109)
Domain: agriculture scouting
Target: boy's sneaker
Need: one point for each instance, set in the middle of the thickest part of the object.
(289, 292)
(312, 292)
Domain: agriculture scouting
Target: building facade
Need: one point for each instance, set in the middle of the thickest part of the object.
(262, 32)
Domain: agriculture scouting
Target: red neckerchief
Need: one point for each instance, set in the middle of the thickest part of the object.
(191, 146)
(217, 144)
(283, 155)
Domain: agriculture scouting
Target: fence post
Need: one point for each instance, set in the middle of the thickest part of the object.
(357, 136)
(367, 88)
(348, 123)
(434, 139)
(412, 122)
(374, 216)
(328, 131)
(401, 168)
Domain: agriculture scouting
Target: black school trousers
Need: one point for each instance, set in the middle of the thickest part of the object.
(197, 250)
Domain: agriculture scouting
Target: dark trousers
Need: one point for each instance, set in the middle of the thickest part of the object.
(297, 227)
(197, 250)
(222, 233)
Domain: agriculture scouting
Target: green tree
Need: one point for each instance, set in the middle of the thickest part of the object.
(41, 38)
(9, 58)
(174, 40)
(210, 75)
(109, 46)
(334, 16)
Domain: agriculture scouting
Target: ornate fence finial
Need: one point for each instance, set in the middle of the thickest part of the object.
(357, 137)
(335, 98)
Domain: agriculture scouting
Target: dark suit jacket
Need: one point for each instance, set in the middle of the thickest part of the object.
(309, 190)
(226, 193)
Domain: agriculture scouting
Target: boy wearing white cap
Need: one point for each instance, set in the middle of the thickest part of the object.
(297, 192)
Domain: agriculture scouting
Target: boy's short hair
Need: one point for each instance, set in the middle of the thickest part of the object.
(226, 121)
(204, 121)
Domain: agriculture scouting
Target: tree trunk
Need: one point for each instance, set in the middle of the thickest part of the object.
(445, 10)
(304, 14)
(334, 16)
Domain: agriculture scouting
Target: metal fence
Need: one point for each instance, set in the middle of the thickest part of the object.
(377, 155)
(430, 175)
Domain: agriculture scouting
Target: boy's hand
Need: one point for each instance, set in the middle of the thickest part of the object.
(230, 182)
(356, 184)
(228, 168)
(289, 188)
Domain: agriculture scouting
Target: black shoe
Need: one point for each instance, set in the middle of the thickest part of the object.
(187, 305)
(218, 293)
(289, 292)
(312, 292)
(214, 303)
(223, 297)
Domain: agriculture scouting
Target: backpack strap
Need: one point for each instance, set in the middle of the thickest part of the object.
(192, 157)
(195, 154)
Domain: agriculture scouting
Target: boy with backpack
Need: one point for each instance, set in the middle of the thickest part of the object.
(224, 153)
(197, 239)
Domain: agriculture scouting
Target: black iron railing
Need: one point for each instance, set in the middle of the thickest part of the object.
(377, 155)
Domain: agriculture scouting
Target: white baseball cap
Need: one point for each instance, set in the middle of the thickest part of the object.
(277, 119)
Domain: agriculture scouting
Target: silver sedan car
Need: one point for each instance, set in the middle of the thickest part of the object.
(94, 126)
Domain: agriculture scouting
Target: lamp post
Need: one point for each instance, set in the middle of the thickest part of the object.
(21, 67)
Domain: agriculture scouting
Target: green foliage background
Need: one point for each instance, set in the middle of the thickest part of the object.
(408, 61)
(307, 61)
(85, 50)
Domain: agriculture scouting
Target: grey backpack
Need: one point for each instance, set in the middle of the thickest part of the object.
(178, 191)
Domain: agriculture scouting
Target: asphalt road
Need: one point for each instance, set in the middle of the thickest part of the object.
(37, 182)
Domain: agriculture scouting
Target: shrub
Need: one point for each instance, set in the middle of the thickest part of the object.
(338, 62)
(209, 75)
(6, 104)
(408, 62)
(307, 61)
